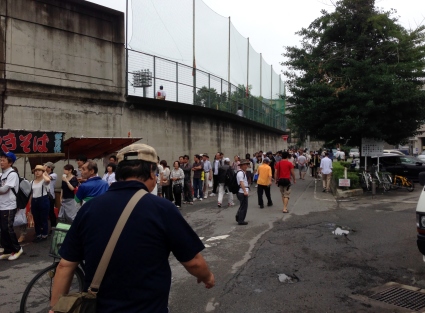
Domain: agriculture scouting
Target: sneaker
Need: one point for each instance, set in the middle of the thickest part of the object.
(261, 206)
(190, 202)
(199, 199)
(243, 223)
(256, 186)
(184, 202)
(194, 199)
(1, 250)
(177, 206)
(205, 197)
(21, 238)
(219, 205)
(5, 256)
(15, 255)
(37, 239)
(212, 194)
(230, 204)
(269, 204)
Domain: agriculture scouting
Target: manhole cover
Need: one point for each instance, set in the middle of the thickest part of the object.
(402, 297)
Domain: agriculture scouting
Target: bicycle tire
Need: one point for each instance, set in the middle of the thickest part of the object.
(36, 297)
(410, 186)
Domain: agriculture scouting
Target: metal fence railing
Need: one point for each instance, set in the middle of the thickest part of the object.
(189, 85)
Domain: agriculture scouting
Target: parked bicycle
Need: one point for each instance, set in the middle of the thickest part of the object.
(37, 295)
(403, 182)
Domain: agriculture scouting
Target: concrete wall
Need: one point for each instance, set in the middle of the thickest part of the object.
(69, 51)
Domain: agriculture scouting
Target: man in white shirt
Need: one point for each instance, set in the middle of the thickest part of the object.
(160, 94)
(302, 165)
(8, 207)
(243, 192)
(326, 170)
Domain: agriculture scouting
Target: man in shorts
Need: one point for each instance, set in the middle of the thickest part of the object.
(302, 165)
(284, 171)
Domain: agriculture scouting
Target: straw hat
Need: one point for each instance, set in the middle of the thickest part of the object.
(38, 167)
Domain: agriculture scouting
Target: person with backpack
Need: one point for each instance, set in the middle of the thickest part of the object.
(225, 175)
(40, 204)
(242, 193)
(8, 207)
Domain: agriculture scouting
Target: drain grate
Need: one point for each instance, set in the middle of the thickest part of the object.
(405, 298)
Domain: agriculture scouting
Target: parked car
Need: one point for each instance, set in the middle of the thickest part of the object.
(422, 156)
(394, 151)
(354, 153)
(403, 165)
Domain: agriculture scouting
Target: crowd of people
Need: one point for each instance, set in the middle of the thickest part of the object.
(182, 183)
(137, 178)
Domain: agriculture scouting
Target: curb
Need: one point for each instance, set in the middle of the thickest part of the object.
(348, 193)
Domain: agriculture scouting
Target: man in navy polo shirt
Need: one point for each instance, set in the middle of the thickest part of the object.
(138, 277)
(93, 185)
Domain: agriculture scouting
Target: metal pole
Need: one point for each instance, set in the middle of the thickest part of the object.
(261, 75)
(271, 83)
(247, 78)
(154, 77)
(126, 48)
(177, 82)
(194, 59)
(228, 64)
(209, 90)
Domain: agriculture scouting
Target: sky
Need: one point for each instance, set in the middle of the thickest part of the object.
(271, 24)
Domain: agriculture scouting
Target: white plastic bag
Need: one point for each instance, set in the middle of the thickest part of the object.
(20, 218)
(210, 183)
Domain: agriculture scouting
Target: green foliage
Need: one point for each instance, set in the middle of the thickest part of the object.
(357, 74)
(338, 172)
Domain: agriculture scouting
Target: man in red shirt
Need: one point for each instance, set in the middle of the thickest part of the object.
(283, 173)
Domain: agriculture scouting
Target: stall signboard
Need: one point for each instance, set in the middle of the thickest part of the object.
(26, 142)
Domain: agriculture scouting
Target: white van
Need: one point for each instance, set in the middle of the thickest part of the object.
(420, 216)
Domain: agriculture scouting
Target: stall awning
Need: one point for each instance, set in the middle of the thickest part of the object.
(91, 147)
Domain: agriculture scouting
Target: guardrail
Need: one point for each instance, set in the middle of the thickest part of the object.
(185, 84)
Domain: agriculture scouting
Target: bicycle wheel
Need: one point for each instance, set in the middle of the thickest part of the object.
(410, 186)
(36, 297)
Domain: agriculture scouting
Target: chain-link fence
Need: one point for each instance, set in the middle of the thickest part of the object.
(189, 32)
(188, 85)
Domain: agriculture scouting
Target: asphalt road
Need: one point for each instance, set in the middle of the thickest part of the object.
(329, 273)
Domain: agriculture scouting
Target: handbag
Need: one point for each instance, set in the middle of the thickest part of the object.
(85, 302)
(177, 188)
(20, 218)
(255, 177)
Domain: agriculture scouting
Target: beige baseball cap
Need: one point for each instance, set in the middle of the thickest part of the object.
(138, 151)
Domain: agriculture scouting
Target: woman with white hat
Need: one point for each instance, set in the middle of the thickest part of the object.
(40, 204)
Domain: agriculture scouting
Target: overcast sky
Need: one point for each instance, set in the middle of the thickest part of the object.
(271, 24)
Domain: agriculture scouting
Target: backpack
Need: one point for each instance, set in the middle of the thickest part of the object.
(234, 184)
(229, 177)
(24, 192)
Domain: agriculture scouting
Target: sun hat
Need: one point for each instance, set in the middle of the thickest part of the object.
(139, 151)
(38, 167)
(244, 161)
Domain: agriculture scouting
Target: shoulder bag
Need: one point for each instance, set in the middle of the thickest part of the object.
(85, 302)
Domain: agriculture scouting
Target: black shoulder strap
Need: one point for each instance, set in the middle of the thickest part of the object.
(13, 188)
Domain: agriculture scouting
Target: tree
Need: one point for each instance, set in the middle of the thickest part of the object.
(357, 74)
